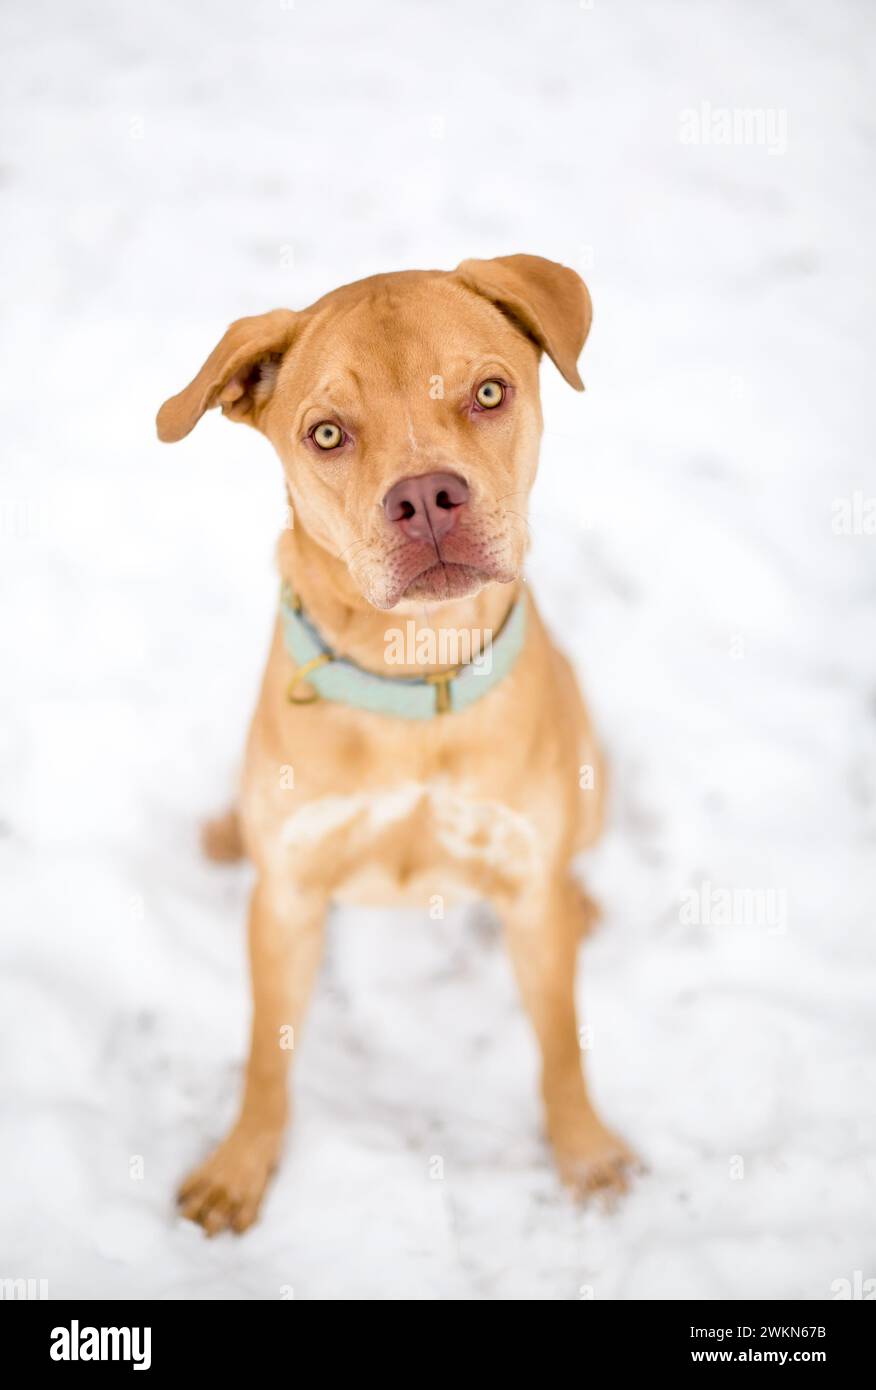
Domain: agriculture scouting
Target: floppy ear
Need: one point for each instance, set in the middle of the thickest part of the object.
(239, 374)
(549, 302)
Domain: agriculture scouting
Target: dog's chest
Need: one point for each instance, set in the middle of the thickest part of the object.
(413, 842)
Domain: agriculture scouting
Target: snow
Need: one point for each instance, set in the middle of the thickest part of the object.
(168, 168)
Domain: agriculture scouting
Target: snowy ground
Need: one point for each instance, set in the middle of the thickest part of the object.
(168, 167)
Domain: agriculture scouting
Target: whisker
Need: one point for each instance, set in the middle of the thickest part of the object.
(343, 552)
(509, 511)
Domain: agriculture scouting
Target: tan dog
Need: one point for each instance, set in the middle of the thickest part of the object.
(405, 410)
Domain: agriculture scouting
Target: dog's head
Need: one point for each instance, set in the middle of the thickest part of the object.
(405, 409)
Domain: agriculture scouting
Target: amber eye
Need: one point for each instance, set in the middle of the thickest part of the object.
(327, 435)
(490, 394)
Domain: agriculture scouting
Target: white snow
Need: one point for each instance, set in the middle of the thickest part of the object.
(169, 167)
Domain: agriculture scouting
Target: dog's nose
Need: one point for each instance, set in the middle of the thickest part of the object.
(427, 507)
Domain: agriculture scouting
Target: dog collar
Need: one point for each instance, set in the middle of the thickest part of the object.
(335, 678)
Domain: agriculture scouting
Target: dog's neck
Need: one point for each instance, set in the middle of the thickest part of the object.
(353, 628)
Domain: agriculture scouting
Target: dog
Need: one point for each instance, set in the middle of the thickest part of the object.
(406, 413)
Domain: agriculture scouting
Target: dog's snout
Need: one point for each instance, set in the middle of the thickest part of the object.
(426, 507)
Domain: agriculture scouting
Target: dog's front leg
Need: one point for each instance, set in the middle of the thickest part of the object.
(285, 941)
(543, 928)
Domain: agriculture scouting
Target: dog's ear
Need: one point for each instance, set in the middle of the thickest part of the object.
(238, 375)
(548, 301)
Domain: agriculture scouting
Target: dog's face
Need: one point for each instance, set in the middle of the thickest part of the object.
(405, 410)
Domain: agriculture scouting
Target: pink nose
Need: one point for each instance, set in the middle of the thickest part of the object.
(426, 508)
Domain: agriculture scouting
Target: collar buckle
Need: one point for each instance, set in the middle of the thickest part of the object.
(441, 682)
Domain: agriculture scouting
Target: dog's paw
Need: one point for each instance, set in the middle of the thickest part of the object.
(225, 1193)
(221, 839)
(597, 1164)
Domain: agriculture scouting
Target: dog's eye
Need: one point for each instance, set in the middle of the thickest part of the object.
(490, 394)
(327, 435)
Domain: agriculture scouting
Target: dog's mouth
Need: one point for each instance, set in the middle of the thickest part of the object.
(458, 568)
(445, 580)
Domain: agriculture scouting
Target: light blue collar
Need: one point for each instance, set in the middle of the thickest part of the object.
(335, 678)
